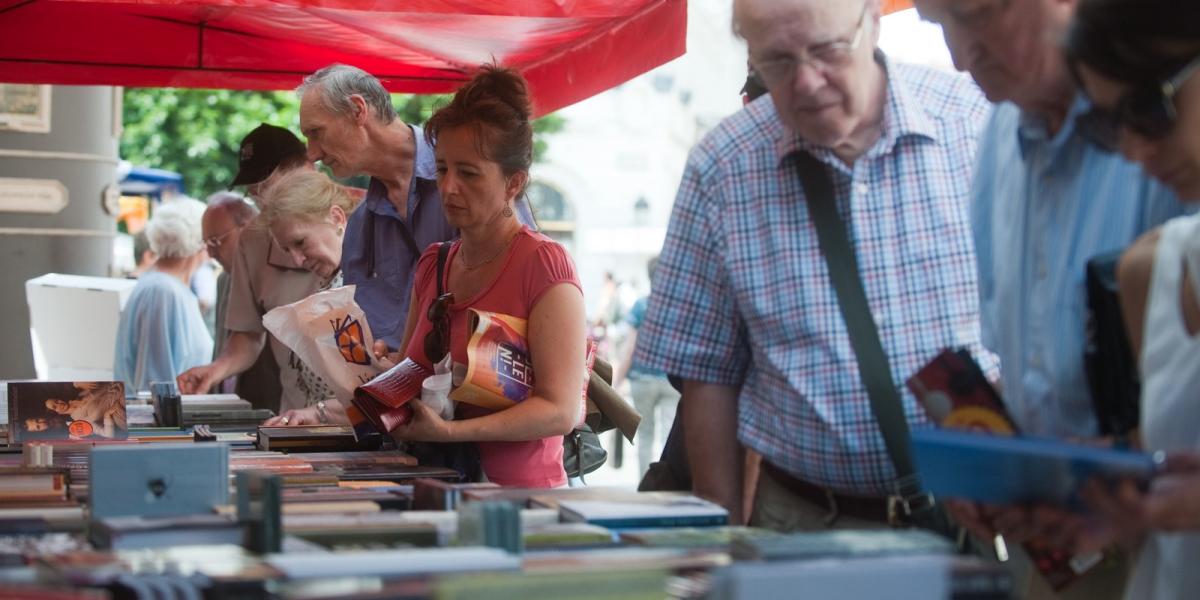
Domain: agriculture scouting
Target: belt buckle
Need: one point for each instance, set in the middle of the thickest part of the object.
(900, 508)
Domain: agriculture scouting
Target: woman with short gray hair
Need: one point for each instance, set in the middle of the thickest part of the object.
(161, 333)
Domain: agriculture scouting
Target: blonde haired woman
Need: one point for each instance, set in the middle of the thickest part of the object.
(306, 212)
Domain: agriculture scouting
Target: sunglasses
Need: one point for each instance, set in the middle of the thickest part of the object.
(1149, 112)
(437, 341)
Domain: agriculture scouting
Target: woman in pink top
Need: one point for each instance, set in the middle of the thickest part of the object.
(483, 142)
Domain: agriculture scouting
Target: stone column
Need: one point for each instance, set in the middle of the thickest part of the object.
(79, 152)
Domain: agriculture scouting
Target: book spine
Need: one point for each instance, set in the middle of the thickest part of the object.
(656, 522)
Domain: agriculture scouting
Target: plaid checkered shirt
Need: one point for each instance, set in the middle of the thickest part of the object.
(742, 296)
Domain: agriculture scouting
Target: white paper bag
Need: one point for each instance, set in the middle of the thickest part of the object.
(329, 332)
(435, 390)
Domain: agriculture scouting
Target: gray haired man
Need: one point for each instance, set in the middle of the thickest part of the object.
(352, 128)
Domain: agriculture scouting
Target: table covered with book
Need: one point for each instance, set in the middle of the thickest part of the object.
(214, 506)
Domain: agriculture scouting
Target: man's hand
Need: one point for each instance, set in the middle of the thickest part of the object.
(198, 380)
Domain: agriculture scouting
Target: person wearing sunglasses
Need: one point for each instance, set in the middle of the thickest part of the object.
(1045, 202)
(1137, 61)
(483, 146)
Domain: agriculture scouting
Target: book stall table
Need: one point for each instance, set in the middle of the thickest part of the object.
(216, 507)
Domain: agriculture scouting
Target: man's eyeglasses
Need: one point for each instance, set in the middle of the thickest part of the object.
(215, 241)
(1149, 112)
(437, 341)
(823, 57)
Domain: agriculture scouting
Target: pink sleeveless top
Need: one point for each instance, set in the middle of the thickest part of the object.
(534, 264)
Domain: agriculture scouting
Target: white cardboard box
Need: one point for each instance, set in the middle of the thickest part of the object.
(73, 325)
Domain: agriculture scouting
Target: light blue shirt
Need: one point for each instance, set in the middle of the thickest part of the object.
(1042, 207)
(161, 333)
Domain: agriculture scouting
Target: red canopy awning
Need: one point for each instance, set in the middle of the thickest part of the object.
(567, 49)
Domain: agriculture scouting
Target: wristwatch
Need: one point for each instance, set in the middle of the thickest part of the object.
(321, 416)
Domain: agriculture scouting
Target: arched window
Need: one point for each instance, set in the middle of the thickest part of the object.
(549, 205)
(554, 214)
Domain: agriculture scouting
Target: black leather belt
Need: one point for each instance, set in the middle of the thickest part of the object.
(858, 507)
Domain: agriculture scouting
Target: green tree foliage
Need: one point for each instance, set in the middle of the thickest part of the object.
(196, 132)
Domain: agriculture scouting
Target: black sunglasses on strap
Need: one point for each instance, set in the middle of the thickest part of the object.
(1148, 111)
(437, 341)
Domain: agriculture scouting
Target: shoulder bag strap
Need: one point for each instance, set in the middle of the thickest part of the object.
(410, 241)
(443, 252)
(873, 367)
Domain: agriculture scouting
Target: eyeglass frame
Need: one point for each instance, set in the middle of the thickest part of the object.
(214, 242)
(1102, 126)
(845, 48)
(437, 341)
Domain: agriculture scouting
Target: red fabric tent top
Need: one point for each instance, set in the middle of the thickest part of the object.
(567, 49)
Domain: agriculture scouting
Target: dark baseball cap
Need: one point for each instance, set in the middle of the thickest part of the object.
(263, 150)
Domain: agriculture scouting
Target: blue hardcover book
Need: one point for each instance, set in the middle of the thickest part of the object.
(1012, 469)
(158, 479)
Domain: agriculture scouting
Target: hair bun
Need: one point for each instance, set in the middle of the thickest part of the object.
(496, 83)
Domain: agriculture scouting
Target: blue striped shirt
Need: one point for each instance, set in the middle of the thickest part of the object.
(1042, 207)
(741, 296)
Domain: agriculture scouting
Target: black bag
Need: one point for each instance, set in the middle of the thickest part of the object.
(582, 452)
(460, 456)
(671, 472)
(1108, 357)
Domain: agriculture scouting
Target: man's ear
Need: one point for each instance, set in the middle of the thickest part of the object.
(359, 111)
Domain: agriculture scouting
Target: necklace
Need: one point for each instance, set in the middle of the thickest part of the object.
(462, 255)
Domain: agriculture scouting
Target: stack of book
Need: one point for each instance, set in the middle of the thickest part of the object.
(221, 412)
(313, 438)
(22, 487)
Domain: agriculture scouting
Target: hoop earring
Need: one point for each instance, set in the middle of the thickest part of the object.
(508, 211)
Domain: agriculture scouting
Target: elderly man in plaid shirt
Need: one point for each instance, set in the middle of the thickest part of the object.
(742, 307)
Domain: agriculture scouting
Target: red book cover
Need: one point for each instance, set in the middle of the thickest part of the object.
(383, 402)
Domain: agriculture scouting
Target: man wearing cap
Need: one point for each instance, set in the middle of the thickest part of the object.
(263, 277)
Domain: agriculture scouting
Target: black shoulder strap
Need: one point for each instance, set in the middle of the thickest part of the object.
(369, 239)
(409, 240)
(443, 252)
(873, 367)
